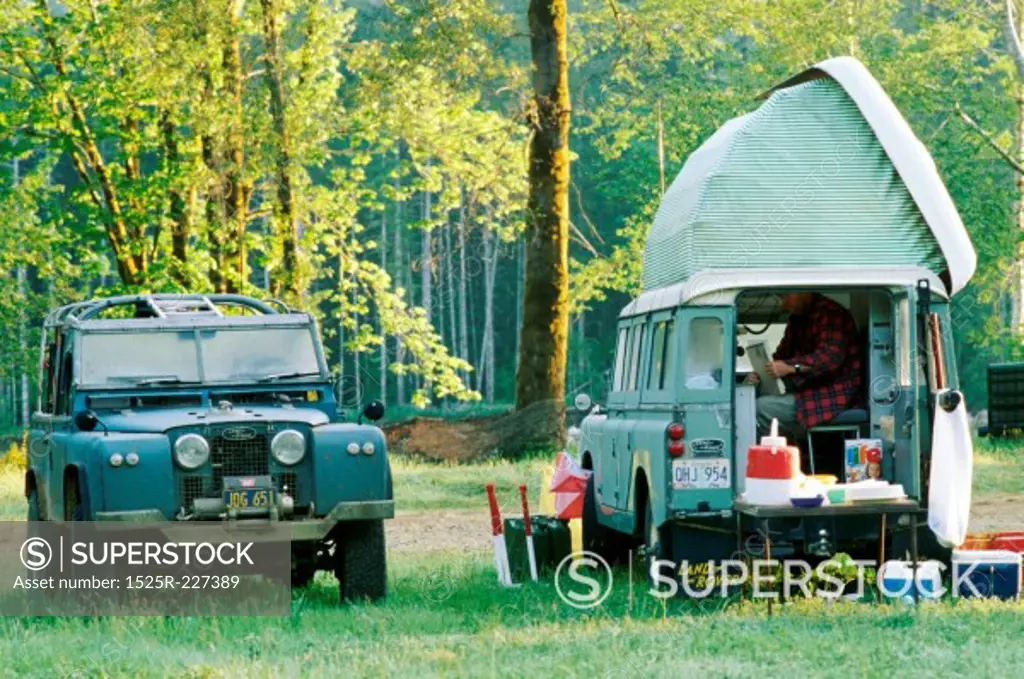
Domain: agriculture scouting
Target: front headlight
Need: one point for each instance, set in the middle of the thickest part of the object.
(288, 447)
(191, 451)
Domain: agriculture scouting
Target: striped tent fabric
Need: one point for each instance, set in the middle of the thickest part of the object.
(801, 182)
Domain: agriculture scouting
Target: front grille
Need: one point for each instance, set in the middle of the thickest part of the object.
(247, 457)
(250, 457)
(287, 482)
(192, 488)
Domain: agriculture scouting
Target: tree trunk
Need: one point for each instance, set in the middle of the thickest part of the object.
(490, 271)
(1017, 272)
(1013, 28)
(180, 204)
(380, 326)
(341, 313)
(449, 268)
(426, 259)
(208, 152)
(236, 194)
(463, 316)
(520, 275)
(661, 150)
(130, 261)
(474, 335)
(542, 353)
(288, 226)
(401, 271)
(23, 346)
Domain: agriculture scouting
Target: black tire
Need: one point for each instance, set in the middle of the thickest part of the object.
(657, 546)
(304, 561)
(74, 510)
(360, 561)
(594, 534)
(599, 539)
(33, 506)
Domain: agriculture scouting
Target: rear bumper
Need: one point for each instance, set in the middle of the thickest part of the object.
(300, 529)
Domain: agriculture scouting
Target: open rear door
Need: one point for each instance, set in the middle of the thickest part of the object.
(703, 478)
(911, 400)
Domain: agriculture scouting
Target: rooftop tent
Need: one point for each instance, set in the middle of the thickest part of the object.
(825, 176)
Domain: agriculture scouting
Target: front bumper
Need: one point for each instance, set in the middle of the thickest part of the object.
(300, 529)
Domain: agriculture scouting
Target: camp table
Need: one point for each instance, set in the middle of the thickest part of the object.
(763, 515)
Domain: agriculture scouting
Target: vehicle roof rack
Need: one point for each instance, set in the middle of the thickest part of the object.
(165, 305)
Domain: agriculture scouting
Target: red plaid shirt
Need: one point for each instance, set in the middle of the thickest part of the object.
(824, 341)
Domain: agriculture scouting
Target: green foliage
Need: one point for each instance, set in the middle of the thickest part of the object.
(385, 102)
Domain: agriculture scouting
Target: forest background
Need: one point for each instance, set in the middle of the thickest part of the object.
(367, 161)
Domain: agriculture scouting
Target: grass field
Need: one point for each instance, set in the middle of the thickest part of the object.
(445, 616)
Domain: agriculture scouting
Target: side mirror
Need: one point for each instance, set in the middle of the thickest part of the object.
(373, 411)
(86, 420)
(582, 402)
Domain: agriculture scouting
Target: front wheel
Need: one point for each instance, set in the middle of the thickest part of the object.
(74, 509)
(304, 560)
(33, 505)
(360, 561)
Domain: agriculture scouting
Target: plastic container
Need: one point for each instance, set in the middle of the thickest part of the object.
(897, 578)
(986, 573)
(836, 495)
(1009, 541)
(874, 491)
(807, 502)
(773, 471)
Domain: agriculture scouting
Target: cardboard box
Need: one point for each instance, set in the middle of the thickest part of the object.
(863, 459)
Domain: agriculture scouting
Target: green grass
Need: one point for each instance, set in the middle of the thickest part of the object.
(998, 466)
(12, 497)
(445, 616)
(423, 486)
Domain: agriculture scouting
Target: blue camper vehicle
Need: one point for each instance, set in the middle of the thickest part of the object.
(822, 189)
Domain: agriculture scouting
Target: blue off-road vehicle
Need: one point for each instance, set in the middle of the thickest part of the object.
(157, 408)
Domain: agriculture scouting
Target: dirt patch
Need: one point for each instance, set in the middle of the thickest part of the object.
(453, 529)
(438, 439)
(479, 438)
(997, 512)
(468, 529)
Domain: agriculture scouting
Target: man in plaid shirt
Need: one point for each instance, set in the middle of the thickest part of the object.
(819, 360)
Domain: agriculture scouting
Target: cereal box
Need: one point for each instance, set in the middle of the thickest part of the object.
(863, 459)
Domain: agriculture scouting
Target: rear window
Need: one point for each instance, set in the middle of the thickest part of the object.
(704, 353)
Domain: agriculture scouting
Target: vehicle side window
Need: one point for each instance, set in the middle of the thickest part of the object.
(634, 356)
(660, 355)
(620, 360)
(704, 353)
(64, 388)
(50, 366)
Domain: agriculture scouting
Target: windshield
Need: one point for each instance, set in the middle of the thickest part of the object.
(256, 354)
(151, 358)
